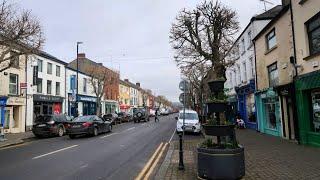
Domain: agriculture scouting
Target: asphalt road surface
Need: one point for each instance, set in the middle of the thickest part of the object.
(117, 155)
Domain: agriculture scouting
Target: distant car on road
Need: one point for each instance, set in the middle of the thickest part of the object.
(140, 114)
(192, 123)
(164, 112)
(124, 117)
(112, 117)
(50, 125)
(152, 113)
(88, 125)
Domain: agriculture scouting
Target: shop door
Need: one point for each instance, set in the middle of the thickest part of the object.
(8, 118)
(273, 123)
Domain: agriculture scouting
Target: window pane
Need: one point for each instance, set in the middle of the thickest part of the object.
(48, 87)
(315, 41)
(57, 88)
(39, 65)
(13, 84)
(13, 78)
(49, 68)
(58, 71)
(39, 85)
(314, 24)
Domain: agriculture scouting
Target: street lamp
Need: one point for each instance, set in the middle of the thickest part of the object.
(77, 77)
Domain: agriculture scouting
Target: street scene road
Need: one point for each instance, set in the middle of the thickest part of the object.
(120, 154)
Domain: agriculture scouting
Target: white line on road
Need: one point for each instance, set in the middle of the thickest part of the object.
(129, 129)
(108, 135)
(172, 135)
(69, 147)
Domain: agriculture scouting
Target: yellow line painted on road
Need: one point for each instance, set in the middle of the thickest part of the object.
(149, 163)
(155, 162)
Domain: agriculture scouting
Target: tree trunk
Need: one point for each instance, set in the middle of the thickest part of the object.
(98, 111)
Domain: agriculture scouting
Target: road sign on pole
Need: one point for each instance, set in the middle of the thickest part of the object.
(184, 85)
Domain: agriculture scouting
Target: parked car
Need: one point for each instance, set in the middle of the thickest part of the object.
(88, 125)
(124, 117)
(152, 113)
(191, 123)
(112, 117)
(50, 125)
(140, 114)
(164, 112)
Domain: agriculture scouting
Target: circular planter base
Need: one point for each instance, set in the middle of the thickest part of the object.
(221, 163)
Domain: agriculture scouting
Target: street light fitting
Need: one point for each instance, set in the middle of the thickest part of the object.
(80, 42)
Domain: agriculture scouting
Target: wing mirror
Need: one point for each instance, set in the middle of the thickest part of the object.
(176, 118)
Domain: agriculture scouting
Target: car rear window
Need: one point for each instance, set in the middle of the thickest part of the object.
(83, 119)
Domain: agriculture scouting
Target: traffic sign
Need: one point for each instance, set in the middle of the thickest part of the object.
(182, 98)
(184, 85)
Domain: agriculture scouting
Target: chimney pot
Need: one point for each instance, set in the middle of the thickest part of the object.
(126, 80)
(81, 55)
(138, 84)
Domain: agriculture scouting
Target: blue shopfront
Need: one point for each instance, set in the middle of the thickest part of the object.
(87, 105)
(246, 104)
(3, 103)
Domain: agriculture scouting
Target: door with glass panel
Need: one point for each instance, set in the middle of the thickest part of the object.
(8, 119)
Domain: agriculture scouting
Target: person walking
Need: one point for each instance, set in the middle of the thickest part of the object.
(156, 116)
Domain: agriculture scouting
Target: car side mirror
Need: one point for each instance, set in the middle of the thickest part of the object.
(176, 118)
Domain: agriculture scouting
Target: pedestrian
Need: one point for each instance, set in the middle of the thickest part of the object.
(156, 116)
(240, 123)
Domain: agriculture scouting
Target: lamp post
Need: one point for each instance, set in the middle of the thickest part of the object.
(77, 78)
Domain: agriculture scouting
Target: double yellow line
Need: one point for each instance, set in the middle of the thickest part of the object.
(151, 164)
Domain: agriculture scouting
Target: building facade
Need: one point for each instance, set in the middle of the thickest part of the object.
(124, 96)
(241, 75)
(45, 87)
(275, 100)
(306, 18)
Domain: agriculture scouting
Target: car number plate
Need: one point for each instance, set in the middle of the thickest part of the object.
(41, 125)
(76, 126)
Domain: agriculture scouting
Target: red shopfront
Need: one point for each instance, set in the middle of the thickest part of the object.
(124, 108)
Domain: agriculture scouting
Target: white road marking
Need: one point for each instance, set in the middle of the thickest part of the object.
(84, 166)
(108, 135)
(129, 129)
(172, 135)
(43, 155)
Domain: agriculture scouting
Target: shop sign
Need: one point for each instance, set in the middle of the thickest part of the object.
(23, 85)
(14, 101)
(86, 98)
(46, 98)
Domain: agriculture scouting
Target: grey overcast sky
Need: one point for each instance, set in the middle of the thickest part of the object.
(127, 35)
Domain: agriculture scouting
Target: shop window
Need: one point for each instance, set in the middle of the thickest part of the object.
(315, 111)
(58, 71)
(57, 88)
(39, 85)
(273, 75)
(271, 115)
(49, 68)
(13, 84)
(271, 39)
(85, 85)
(313, 30)
(49, 86)
(250, 108)
(40, 65)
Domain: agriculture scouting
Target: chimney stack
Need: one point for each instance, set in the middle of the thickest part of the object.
(81, 55)
(138, 84)
(126, 80)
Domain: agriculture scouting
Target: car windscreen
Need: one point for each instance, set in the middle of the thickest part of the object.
(83, 119)
(189, 116)
(138, 110)
(43, 118)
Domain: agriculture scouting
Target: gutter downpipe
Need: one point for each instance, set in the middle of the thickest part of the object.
(26, 108)
(256, 83)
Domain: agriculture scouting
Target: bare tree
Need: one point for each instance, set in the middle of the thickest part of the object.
(98, 81)
(20, 34)
(203, 35)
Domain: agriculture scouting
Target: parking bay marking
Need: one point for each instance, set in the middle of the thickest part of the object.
(53, 152)
(108, 135)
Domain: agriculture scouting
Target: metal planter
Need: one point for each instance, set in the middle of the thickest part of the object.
(219, 130)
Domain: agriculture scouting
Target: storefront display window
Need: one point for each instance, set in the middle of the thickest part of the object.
(316, 111)
(271, 115)
(250, 108)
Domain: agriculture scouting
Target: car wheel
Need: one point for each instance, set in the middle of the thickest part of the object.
(71, 136)
(95, 131)
(60, 131)
(38, 136)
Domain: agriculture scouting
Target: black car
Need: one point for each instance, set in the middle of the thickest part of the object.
(140, 114)
(124, 117)
(112, 117)
(50, 125)
(88, 125)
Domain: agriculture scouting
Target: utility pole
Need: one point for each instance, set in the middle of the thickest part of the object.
(77, 111)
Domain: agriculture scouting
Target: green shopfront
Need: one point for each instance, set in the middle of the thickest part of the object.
(308, 107)
(268, 112)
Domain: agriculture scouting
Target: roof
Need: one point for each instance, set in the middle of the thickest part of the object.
(49, 56)
(283, 10)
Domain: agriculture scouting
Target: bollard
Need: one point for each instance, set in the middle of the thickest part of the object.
(181, 165)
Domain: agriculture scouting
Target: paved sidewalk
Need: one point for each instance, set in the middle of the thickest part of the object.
(266, 157)
(16, 138)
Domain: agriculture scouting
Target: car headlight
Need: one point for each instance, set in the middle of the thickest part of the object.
(50, 122)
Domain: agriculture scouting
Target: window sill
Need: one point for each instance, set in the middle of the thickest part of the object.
(311, 56)
(13, 95)
(270, 50)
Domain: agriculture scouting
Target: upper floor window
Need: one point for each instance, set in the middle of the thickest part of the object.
(271, 39)
(252, 67)
(244, 71)
(49, 68)
(250, 38)
(273, 75)
(58, 71)
(242, 46)
(84, 85)
(313, 29)
(49, 86)
(39, 85)
(40, 65)
(13, 84)
(57, 88)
